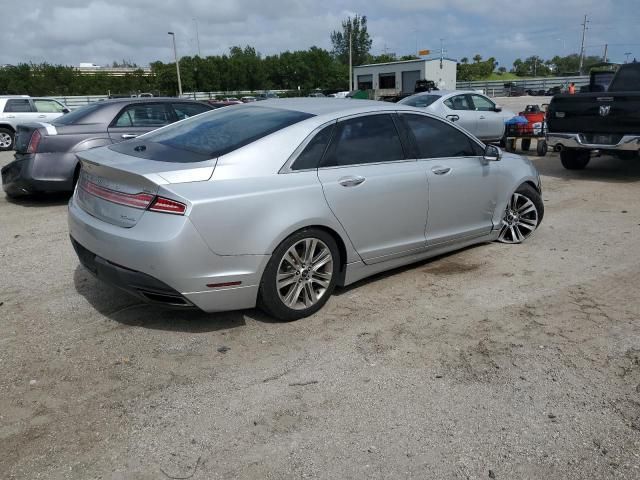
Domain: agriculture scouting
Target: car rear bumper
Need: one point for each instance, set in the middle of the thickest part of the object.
(164, 260)
(35, 173)
(579, 140)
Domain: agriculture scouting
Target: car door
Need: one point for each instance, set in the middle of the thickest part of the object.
(462, 185)
(138, 118)
(48, 109)
(20, 110)
(490, 123)
(459, 110)
(378, 194)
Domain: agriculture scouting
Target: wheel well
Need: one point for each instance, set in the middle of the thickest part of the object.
(8, 127)
(339, 242)
(535, 187)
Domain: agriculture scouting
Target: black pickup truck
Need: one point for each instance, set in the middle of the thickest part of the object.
(606, 122)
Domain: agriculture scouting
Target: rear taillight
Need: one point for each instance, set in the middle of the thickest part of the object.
(34, 142)
(164, 205)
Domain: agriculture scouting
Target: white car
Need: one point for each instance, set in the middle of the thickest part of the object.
(474, 112)
(19, 109)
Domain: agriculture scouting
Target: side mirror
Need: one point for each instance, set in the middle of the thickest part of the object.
(65, 110)
(497, 108)
(492, 153)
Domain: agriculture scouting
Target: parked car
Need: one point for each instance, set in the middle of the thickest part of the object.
(46, 153)
(512, 89)
(472, 111)
(317, 95)
(603, 122)
(266, 96)
(222, 103)
(277, 202)
(17, 109)
(248, 99)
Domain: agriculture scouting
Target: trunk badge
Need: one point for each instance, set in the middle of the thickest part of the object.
(140, 148)
(605, 110)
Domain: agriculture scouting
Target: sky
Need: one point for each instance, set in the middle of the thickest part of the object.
(97, 31)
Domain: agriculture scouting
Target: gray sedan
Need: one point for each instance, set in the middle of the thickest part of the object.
(46, 153)
(278, 202)
(473, 111)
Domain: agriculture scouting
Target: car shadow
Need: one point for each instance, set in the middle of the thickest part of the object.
(41, 200)
(434, 265)
(605, 169)
(126, 309)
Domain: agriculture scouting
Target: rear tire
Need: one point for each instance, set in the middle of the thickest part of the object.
(542, 148)
(300, 276)
(575, 159)
(525, 144)
(7, 139)
(510, 145)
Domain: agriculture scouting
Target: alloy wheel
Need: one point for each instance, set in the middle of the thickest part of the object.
(520, 219)
(5, 140)
(304, 273)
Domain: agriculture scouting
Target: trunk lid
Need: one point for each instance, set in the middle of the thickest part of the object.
(595, 113)
(118, 188)
(25, 131)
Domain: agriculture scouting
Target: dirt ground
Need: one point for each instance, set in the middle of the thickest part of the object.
(505, 362)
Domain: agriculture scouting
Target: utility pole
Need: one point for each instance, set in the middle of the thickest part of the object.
(584, 31)
(606, 47)
(175, 55)
(350, 60)
(442, 51)
(197, 37)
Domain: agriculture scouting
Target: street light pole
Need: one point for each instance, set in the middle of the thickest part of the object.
(175, 55)
(350, 60)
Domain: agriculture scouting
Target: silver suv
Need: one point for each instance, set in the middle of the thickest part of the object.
(18, 109)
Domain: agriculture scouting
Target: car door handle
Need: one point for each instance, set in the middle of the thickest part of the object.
(441, 170)
(42, 116)
(128, 136)
(453, 118)
(482, 117)
(351, 181)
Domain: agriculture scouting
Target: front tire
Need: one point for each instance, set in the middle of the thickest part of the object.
(300, 276)
(7, 137)
(574, 159)
(522, 216)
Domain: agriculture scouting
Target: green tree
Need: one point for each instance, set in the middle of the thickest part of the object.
(356, 28)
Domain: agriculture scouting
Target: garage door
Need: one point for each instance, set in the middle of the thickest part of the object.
(409, 80)
(365, 82)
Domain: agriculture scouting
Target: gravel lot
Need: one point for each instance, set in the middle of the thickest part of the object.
(506, 362)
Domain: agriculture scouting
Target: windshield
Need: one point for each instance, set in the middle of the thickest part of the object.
(419, 100)
(77, 116)
(219, 132)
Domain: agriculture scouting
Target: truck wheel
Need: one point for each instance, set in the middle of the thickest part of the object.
(525, 144)
(6, 139)
(575, 159)
(541, 148)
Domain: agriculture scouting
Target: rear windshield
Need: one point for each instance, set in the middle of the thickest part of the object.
(219, 132)
(79, 116)
(419, 100)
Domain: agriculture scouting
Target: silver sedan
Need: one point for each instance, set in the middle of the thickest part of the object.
(473, 111)
(278, 202)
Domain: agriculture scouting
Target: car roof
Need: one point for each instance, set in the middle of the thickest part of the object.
(327, 106)
(14, 96)
(147, 100)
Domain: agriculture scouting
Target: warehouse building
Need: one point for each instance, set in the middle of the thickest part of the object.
(400, 77)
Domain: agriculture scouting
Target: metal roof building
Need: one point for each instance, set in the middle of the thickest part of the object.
(396, 77)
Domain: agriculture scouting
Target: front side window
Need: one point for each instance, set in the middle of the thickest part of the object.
(186, 110)
(48, 106)
(312, 154)
(366, 139)
(143, 115)
(459, 102)
(483, 104)
(436, 139)
(16, 105)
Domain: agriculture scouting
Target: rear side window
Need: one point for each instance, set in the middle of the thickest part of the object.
(459, 102)
(436, 139)
(420, 100)
(143, 115)
(225, 130)
(312, 154)
(18, 105)
(186, 110)
(366, 139)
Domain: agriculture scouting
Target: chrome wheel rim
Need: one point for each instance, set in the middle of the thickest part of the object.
(519, 221)
(5, 140)
(304, 273)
